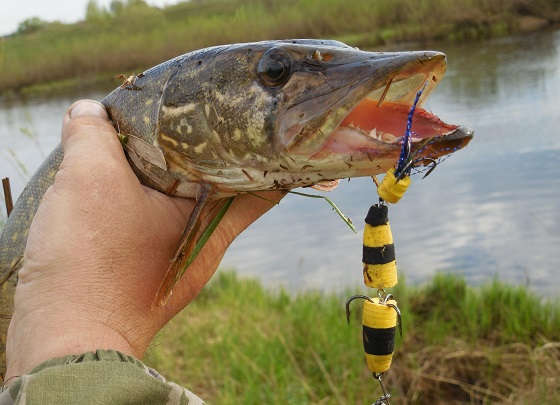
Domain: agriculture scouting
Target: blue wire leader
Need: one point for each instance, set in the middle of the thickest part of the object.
(407, 141)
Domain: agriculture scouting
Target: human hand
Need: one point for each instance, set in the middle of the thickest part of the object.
(98, 248)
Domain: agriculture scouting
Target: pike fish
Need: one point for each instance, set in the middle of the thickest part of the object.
(272, 115)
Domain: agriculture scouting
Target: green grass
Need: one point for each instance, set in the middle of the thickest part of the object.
(493, 313)
(240, 343)
(135, 36)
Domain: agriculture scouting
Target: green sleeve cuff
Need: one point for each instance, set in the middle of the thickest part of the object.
(100, 377)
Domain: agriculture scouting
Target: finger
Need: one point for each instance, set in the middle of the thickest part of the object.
(243, 212)
(247, 209)
(90, 141)
(250, 207)
(85, 107)
(88, 132)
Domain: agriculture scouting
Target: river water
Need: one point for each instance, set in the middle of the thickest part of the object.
(490, 210)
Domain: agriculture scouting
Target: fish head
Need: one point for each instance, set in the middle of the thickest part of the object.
(316, 103)
(343, 112)
(286, 113)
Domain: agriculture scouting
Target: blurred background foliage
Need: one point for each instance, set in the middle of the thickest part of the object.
(132, 35)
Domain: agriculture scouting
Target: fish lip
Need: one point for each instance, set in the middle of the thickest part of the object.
(460, 133)
(442, 145)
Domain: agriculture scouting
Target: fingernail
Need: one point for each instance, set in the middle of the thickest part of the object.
(87, 108)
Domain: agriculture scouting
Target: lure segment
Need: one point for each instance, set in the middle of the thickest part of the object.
(392, 188)
(379, 322)
(378, 258)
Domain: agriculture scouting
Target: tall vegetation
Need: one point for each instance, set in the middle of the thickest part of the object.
(131, 35)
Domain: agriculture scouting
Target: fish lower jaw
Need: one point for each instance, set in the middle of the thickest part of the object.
(353, 139)
(367, 152)
(249, 180)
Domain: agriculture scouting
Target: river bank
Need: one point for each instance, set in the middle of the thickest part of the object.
(240, 343)
(53, 57)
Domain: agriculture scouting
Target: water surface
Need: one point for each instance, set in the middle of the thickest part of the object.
(490, 210)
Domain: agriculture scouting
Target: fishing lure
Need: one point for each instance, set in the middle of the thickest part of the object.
(381, 315)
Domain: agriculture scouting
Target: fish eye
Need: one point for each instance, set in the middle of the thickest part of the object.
(274, 68)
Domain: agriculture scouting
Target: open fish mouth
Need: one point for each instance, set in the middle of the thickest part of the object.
(377, 123)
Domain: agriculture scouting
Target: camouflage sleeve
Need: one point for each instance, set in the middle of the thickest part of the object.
(100, 377)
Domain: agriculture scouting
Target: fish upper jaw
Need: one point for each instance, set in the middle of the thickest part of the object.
(318, 99)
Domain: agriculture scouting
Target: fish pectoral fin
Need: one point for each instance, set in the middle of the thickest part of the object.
(179, 262)
(326, 185)
(12, 270)
(150, 153)
(192, 241)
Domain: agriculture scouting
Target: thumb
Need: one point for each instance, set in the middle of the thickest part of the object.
(89, 139)
(82, 108)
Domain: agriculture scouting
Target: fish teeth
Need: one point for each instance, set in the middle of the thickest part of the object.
(382, 136)
(389, 138)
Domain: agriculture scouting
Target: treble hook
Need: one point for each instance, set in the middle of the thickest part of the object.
(413, 163)
(399, 319)
(397, 310)
(354, 297)
(384, 302)
(433, 164)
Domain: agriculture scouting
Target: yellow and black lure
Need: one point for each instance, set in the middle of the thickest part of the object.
(381, 315)
(378, 258)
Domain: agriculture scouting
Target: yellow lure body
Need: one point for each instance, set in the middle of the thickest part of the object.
(392, 190)
(379, 264)
(379, 322)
